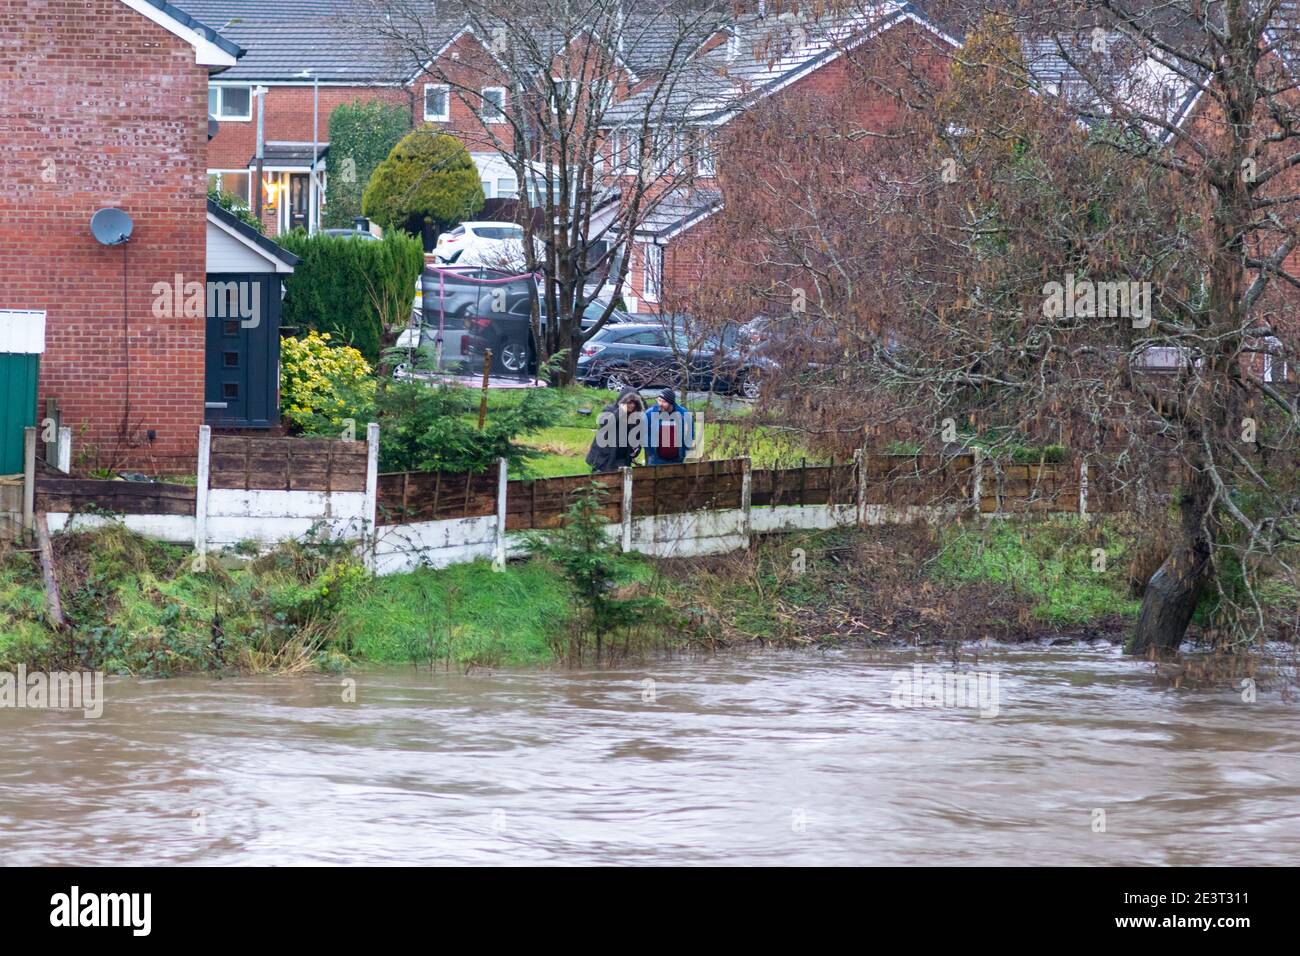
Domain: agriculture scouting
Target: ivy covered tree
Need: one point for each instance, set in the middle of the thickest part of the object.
(428, 179)
(362, 134)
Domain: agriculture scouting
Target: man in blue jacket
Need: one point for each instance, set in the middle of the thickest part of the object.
(670, 432)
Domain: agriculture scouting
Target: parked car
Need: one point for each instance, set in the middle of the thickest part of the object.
(476, 308)
(641, 355)
(497, 244)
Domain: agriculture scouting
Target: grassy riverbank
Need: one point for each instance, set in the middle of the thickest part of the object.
(136, 606)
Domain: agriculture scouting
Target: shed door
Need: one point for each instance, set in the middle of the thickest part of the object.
(18, 375)
(243, 351)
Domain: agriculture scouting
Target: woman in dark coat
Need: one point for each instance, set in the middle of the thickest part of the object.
(618, 434)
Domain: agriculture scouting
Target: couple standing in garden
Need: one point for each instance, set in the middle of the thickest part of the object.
(665, 432)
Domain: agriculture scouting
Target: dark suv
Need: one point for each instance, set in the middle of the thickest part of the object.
(640, 355)
(479, 308)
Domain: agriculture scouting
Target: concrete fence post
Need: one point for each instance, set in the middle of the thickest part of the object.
(371, 506)
(1083, 488)
(977, 479)
(29, 480)
(203, 475)
(63, 453)
(860, 463)
(627, 510)
(499, 548)
(747, 496)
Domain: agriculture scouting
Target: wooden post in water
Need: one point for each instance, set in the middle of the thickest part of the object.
(482, 402)
(29, 480)
(53, 603)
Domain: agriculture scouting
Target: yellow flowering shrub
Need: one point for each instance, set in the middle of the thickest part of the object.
(322, 385)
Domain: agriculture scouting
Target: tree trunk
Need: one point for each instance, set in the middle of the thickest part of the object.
(1172, 593)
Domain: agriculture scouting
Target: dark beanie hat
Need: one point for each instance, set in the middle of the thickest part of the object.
(669, 396)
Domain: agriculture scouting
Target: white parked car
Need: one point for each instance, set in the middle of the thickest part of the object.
(497, 244)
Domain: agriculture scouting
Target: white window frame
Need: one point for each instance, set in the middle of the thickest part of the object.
(247, 194)
(570, 93)
(501, 111)
(445, 116)
(652, 267)
(706, 156)
(220, 89)
(628, 159)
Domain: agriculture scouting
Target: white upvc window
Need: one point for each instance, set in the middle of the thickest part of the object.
(230, 102)
(653, 259)
(563, 91)
(437, 103)
(668, 151)
(706, 157)
(628, 156)
(236, 182)
(494, 104)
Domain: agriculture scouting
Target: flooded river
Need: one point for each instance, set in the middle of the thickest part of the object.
(808, 758)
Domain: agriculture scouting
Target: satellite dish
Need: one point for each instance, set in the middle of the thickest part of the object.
(111, 226)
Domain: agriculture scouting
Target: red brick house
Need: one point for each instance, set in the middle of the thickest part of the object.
(343, 63)
(102, 104)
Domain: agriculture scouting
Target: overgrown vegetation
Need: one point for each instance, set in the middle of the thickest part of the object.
(362, 134)
(358, 291)
(236, 205)
(593, 565)
(138, 607)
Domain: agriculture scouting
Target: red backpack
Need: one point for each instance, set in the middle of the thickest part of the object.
(669, 444)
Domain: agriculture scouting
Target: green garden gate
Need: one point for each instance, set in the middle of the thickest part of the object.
(22, 340)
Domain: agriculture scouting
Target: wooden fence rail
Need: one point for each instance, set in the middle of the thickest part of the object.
(80, 495)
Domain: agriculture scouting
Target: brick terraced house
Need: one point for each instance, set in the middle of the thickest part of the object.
(103, 105)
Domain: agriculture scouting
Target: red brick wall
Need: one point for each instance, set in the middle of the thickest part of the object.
(288, 119)
(101, 107)
(857, 91)
(289, 113)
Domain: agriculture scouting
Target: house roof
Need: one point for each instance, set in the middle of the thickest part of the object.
(211, 48)
(763, 54)
(286, 37)
(291, 154)
(677, 210)
(251, 237)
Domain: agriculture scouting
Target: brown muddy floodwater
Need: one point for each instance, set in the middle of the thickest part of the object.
(773, 759)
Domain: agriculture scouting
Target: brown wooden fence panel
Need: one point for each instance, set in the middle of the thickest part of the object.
(77, 495)
(1049, 487)
(691, 486)
(810, 485)
(544, 502)
(916, 480)
(287, 464)
(409, 496)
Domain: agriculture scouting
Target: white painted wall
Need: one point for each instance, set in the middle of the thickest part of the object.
(436, 544)
(269, 517)
(174, 528)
